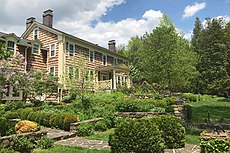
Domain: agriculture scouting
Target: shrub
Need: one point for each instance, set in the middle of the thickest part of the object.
(61, 118)
(46, 119)
(37, 102)
(188, 111)
(6, 150)
(86, 102)
(26, 126)
(85, 129)
(68, 120)
(173, 130)
(31, 116)
(54, 120)
(11, 115)
(45, 143)
(137, 136)
(192, 97)
(100, 126)
(22, 144)
(215, 145)
(127, 106)
(67, 99)
(25, 113)
(4, 126)
(14, 105)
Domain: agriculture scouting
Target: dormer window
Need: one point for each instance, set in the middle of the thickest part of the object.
(10, 46)
(36, 49)
(36, 34)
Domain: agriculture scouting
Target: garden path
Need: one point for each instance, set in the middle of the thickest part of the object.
(70, 139)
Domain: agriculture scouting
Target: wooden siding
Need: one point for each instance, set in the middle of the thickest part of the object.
(37, 61)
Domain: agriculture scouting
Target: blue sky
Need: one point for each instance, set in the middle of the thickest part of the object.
(173, 8)
(99, 21)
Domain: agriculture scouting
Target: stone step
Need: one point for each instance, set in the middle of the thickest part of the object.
(57, 135)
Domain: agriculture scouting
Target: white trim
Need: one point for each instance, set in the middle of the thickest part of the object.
(37, 33)
(115, 59)
(54, 49)
(38, 49)
(93, 56)
(54, 70)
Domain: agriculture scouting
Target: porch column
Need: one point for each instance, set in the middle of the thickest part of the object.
(114, 79)
(128, 80)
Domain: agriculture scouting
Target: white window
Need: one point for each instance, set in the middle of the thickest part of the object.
(52, 50)
(10, 46)
(12, 93)
(104, 60)
(36, 49)
(71, 50)
(114, 61)
(52, 70)
(91, 56)
(36, 34)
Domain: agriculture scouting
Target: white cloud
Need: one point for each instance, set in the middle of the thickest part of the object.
(191, 10)
(76, 17)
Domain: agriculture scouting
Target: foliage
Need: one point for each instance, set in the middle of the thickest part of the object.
(4, 126)
(68, 120)
(130, 106)
(188, 111)
(61, 148)
(26, 126)
(86, 102)
(100, 126)
(6, 150)
(104, 136)
(173, 130)
(215, 145)
(85, 129)
(41, 86)
(15, 105)
(45, 143)
(22, 144)
(11, 115)
(163, 57)
(137, 136)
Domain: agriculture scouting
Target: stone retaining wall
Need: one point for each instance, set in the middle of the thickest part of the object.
(137, 114)
(32, 136)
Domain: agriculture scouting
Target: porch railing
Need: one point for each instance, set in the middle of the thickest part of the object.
(104, 85)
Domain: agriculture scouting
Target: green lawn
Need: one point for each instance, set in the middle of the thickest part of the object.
(104, 136)
(218, 107)
(65, 149)
(192, 139)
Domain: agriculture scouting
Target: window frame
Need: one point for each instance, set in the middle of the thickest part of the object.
(36, 53)
(114, 61)
(10, 48)
(91, 59)
(70, 50)
(53, 50)
(53, 70)
(36, 34)
(104, 63)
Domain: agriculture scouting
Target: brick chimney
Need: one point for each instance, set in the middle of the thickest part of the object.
(48, 18)
(112, 45)
(29, 21)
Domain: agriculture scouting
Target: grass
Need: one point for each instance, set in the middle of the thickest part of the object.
(65, 149)
(218, 108)
(192, 139)
(104, 136)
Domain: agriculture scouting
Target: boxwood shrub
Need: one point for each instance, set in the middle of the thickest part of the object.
(100, 126)
(215, 145)
(137, 136)
(85, 129)
(173, 130)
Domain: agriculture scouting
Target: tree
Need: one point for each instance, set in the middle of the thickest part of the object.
(78, 80)
(213, 57)
(166, 57)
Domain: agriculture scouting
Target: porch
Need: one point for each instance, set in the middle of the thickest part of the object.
(110, 77)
